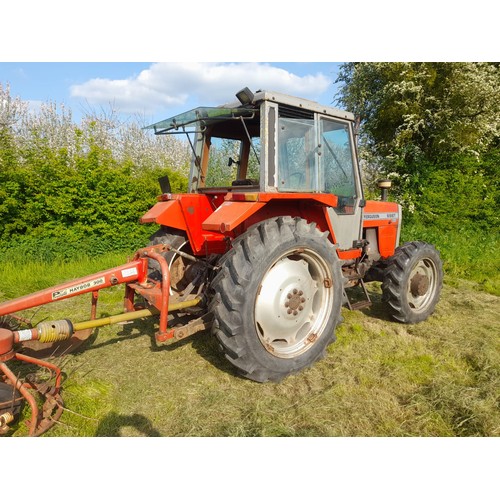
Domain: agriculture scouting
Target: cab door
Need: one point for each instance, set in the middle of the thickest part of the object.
(339, 174)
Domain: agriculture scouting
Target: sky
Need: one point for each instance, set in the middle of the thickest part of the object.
(83, 57)
(155, 91)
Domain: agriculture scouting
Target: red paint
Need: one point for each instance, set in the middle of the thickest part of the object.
(210, 218)
(133, 271)
(387, 236)
(387, 228)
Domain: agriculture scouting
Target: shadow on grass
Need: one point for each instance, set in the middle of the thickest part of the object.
(377, 309)
(112, 423)
(203, 342)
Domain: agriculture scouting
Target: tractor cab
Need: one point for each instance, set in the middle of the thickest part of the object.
(269, 142)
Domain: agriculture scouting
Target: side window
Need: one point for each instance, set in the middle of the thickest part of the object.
(336, 163)
(296, 158)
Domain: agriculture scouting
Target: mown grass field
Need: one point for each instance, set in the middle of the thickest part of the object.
(437, 378)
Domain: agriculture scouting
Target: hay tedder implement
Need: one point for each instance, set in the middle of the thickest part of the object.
(271, 239)
(63, 336)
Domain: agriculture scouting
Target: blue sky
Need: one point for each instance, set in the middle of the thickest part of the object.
(154, 91)
(220, 30)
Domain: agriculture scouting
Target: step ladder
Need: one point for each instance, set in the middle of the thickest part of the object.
(359, 304)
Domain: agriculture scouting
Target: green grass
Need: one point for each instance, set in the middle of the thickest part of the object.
(437, 378)
(467, 253)
(19, 276)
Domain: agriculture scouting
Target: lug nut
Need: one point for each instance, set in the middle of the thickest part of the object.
(289, 311)
(295, 291)
(295, 313)
(287, 303)
(301, 308)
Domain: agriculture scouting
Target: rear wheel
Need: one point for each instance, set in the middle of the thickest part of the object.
(277, 298)
(412, 282)
(177, 264)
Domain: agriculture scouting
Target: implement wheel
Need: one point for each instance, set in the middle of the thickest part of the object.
(277, 298)
(10, 400)
(412, 282)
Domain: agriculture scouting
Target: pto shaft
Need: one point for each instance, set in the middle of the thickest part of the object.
(56, 331)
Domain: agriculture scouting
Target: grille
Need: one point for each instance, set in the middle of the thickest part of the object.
(293, 112)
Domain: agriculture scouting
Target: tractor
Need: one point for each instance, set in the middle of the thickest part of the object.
(264, 249)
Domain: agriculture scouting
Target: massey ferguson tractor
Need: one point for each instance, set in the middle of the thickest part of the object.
(263, 251)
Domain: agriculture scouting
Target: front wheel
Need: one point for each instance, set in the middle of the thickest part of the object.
(277, 298)
(412, 282)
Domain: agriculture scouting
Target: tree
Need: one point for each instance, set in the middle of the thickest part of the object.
(433, 128)
(69, 189)
(429, 110)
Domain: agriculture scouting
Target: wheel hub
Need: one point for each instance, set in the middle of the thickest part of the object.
(295, 301)
(419, 285)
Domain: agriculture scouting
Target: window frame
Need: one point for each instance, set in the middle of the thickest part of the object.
(319, 185)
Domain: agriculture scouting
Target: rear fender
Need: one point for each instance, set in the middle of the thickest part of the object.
(230, 215)
(233, 217)
(187, 213)
(166, 213)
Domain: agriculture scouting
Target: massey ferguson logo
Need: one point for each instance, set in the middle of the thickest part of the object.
(77, 288)
(389, 215)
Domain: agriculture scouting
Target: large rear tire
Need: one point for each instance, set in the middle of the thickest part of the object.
(412, 282)
(277, 298)
(177, 264)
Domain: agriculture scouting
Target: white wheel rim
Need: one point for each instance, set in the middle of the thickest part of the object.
(421, 285)
(294, 303)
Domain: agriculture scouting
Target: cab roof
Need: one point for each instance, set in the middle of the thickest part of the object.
(236, 109)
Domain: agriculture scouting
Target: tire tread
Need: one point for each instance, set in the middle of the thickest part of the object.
(240, 264)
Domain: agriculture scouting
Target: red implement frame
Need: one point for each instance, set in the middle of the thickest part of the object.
(135, 277)
(132, 274)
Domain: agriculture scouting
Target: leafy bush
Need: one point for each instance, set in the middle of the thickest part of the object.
(453, 192)
(68, 190)
(466, 252)
(50, 211)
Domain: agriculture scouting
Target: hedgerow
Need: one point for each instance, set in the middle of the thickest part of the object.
(69, 189)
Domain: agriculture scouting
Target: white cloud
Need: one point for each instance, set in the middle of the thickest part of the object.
(167, 85)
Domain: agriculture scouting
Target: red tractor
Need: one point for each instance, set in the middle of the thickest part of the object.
(264, 247)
